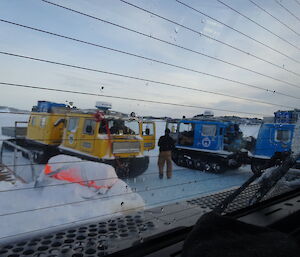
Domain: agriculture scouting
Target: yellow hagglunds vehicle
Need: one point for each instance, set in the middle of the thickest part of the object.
(97, 134)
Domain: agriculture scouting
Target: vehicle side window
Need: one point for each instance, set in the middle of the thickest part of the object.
(221, 131)
(172, 127)
(43, 122)
(186, 134)
(283, 136)
(72, 124)
(148, 129)
(33, 121)
(209, 130)
(103, 127)
(89, 127)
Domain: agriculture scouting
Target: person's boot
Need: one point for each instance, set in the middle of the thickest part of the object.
(161, 176)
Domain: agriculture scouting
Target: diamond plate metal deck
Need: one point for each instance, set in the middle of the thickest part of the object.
(111, 235)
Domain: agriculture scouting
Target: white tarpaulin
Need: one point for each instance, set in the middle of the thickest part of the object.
(54, 202)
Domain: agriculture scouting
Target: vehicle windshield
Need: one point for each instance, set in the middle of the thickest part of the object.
(124, 127)
(120, 120)
(172, 126)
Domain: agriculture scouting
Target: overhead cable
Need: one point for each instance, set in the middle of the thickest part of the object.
(261, 26)
(285, 8)
(234, 29)
(167, 42)
(144, 57)
(270, 14)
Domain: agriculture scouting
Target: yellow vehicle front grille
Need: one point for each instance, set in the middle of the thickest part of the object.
(126, 147)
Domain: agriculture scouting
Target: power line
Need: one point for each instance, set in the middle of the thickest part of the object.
(104, 179)
(117, 212)
(261, 26)
(297, 2)
(167, 42)
(77, 182)
(232, 28)
(107, 197)
(143, 100)
(146, 100)
(147, 58)
(195, 31)
(285, 8)
(281, 22)
(143, 79)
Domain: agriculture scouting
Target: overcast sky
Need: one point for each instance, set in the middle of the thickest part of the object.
(44, 16)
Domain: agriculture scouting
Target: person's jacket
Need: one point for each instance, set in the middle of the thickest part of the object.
(166, 143)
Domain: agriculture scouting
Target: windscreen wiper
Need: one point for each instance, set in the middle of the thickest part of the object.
(269, 178)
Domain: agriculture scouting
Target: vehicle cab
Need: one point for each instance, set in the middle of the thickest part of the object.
(274, 140)
(110, 137)
(210, 135)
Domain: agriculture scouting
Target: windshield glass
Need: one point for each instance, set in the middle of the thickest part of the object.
(217, 81)
(124, 127)
(172, 126)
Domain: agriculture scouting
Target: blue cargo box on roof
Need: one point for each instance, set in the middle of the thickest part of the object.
(284, 117)
(45, 106)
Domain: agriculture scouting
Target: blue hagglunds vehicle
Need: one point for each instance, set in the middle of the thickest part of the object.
(274, 140)
(209, 144)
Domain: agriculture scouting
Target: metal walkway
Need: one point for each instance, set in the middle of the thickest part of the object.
(111, 235)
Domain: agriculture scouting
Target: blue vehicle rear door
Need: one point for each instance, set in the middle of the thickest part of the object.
(281, 137)
(208, 136)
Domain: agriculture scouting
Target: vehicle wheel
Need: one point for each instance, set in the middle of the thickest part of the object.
(234, 164)
(217, 167)
(25, 155)
(257, 165)
(207, 167)
(175, 157)
(181, 161)
(199, 165)
(190, 163)
(132, 168)
(36, 157)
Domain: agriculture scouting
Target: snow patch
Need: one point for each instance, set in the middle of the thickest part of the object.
(53, 202)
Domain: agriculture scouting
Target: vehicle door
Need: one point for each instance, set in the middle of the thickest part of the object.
(282, 138)
(187, 133)
(70, 138)
(88, 135)
(208, 137)
(148, 134)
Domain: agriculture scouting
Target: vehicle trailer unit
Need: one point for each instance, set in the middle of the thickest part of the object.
(209, 144)
(274, 140)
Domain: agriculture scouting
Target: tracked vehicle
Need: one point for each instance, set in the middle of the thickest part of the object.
(96, 134)
(43, 133)
(209, 144)
(274, 141)
(109, 137)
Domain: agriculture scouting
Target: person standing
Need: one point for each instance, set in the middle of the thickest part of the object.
(166, 144)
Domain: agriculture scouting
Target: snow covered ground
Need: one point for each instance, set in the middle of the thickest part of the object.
(25, 210)
(185, 183)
